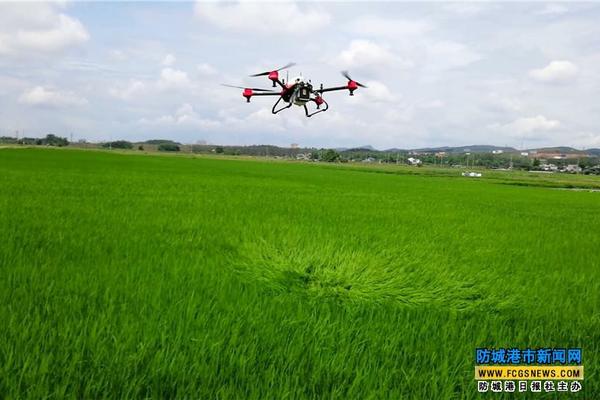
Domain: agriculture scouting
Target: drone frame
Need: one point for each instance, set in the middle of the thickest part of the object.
(287, 89)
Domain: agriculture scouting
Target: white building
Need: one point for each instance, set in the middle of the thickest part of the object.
(549, 167)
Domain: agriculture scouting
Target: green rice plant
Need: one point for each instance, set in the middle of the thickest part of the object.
(129, 276)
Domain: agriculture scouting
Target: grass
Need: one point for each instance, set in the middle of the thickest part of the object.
(129, 276)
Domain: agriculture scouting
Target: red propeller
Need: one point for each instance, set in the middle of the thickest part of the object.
(274, 75)
(350, 80)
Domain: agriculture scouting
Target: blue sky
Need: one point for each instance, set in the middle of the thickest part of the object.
(517, 74)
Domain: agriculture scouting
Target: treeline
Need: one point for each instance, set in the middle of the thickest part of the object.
(161, 145)
(479, 159)
(49, 140)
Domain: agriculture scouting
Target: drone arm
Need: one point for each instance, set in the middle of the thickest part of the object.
(266, 94)
(280, 83)
(252, 94)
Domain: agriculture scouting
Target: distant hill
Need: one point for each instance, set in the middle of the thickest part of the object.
(476, 148)
(359, 151)
(594, 152)
(559, 149)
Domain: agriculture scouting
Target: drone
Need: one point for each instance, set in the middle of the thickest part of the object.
(298, 91)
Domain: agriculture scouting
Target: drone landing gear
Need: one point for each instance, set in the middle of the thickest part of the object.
(274, 111)
(318, 108)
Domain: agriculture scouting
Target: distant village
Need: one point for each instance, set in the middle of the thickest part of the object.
(542, 160)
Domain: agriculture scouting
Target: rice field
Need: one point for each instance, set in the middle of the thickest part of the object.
(135, 276)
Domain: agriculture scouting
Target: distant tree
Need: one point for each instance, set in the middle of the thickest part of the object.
(168, 147)
(30, 141)
(118, 144)
(8, 140)
(219, 150)
(53, 140)
(536, 162)
(331, 156)
(140, 147)
(158, 142)
(584, 163)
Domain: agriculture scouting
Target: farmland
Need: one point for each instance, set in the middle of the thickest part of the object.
(177, 276)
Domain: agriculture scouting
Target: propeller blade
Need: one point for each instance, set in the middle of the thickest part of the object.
(233, 86)
(347, 76)
(286, 66)
(253, 89)
(268, 72)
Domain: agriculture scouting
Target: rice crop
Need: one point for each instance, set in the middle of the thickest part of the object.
(130, 276)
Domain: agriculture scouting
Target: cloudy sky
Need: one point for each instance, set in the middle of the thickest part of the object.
(517, 74)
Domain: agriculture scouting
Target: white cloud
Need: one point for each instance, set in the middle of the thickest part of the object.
(375, 92)
(446, 54)
(587, 140)
(556, 72)
(528, 125)
(412, 43)
(173, 79)
(34, 28)
(378, 91)
(504, 103)
(128, 92)
(206, 69)
(394, 28)
(466, 9)
(169, 60)
(366, 53)
(185, 116)
(265, 18)
(117, 55)
(554, 9)
(41, 96)
(437, 103)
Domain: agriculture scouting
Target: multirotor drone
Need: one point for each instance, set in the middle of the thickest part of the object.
(297, 91)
